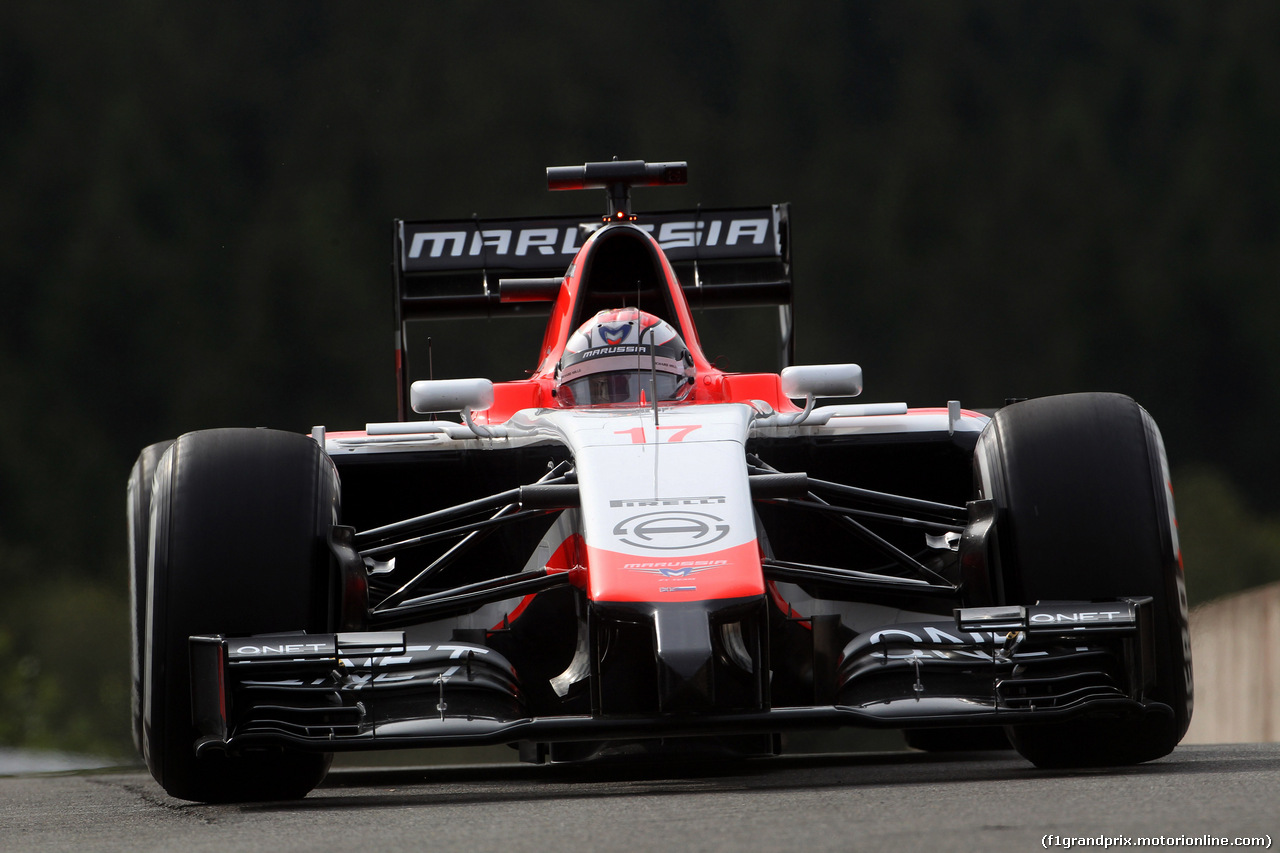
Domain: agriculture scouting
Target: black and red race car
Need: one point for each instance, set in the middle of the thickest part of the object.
(632, 551)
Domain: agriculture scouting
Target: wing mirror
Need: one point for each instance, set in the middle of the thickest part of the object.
(454, 395)
(822, 380)
(450, 395)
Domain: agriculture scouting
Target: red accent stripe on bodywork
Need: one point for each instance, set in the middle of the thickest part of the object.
(567, 558)
(732, 573)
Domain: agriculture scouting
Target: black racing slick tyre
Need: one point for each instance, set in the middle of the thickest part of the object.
(1085, 513)
(240, 519)
(139, 508)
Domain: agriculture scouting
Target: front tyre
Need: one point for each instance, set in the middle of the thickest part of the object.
(237, 546)
(139, 509)
(1085, 513)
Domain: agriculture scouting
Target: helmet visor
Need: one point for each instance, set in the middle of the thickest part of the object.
(611, 376)
(618, 387)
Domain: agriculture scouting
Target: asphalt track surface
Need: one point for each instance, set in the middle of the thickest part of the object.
(869, 801)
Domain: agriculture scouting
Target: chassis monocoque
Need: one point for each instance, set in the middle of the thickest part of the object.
(702, 575)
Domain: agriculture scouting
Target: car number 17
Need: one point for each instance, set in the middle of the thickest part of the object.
(674, 433)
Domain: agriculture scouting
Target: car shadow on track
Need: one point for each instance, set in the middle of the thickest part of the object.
(360, 788)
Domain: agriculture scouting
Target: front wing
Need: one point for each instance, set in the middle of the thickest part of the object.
(377, 690)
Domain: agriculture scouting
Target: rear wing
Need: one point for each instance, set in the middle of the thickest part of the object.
(452, 269)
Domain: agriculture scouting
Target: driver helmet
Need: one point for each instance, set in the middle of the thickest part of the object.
(620, 357)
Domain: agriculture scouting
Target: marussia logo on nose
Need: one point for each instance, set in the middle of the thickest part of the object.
(672, 571)
(666, 530)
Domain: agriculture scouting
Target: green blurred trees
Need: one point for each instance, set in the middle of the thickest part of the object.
(64, 669)
(1226, 544)
(990, 200)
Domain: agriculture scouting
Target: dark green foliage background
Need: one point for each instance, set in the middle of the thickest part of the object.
(990, 200)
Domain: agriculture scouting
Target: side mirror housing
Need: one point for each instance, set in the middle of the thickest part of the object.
(450, 395)
(822, 380)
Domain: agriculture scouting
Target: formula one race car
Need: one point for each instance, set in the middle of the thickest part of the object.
(632, 552)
